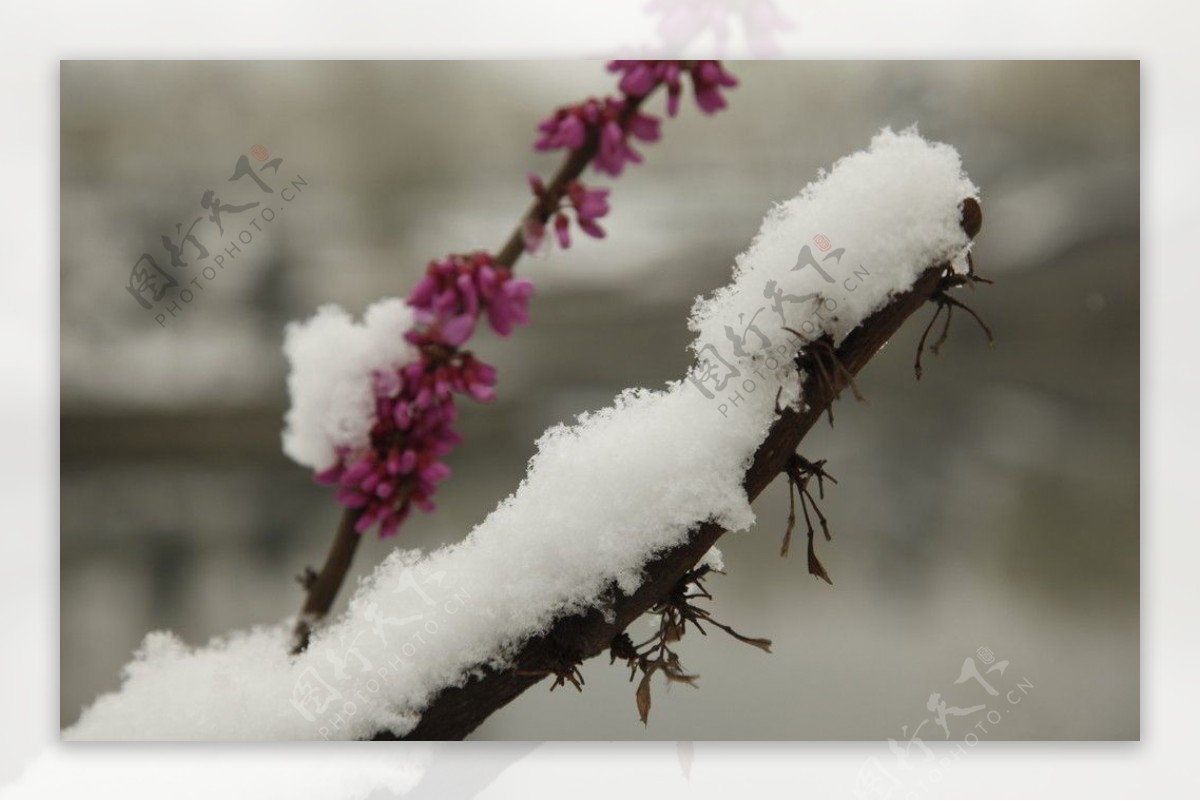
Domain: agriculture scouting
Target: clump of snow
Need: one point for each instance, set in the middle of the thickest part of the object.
(601, 496)
(713, 559)
(246, 670)
(826, 259)
(330, 382)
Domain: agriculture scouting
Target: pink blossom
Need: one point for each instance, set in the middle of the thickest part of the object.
(640, 78)
(708, 79)
(607, 121)
(470, 285)
(402, 465)
(415, 410)
(562, 230)
(566, 128)
(682, 21)
(414, 429)
(588, 204)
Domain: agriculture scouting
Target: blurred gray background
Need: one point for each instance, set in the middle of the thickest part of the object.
(992, 505)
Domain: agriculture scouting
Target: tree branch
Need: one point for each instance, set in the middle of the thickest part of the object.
(322, 588)
(457, 711)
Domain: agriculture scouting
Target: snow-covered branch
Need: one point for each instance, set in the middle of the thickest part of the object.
(614, 509)
(458, 710)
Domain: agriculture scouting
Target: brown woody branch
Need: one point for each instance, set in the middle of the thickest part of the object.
(322, 588)
(457, 711)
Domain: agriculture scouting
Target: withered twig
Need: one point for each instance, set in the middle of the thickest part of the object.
(675, 612)
(972, 221)
(800, 472)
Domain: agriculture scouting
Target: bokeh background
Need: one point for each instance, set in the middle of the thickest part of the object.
(992, 505)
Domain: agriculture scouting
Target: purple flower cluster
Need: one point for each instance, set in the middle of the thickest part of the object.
(461, 287)
(612, 120)
(640, 78)
(414, 405)
(609, 125)
(589, 205)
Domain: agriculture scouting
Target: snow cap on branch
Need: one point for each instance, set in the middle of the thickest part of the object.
(333, 359)
(826, 259)
(601, 497)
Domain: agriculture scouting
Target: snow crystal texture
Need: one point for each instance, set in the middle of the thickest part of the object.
(846, 243)
(332, 361)
(600, 498)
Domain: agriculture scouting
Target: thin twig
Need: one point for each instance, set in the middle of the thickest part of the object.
(323, 587)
